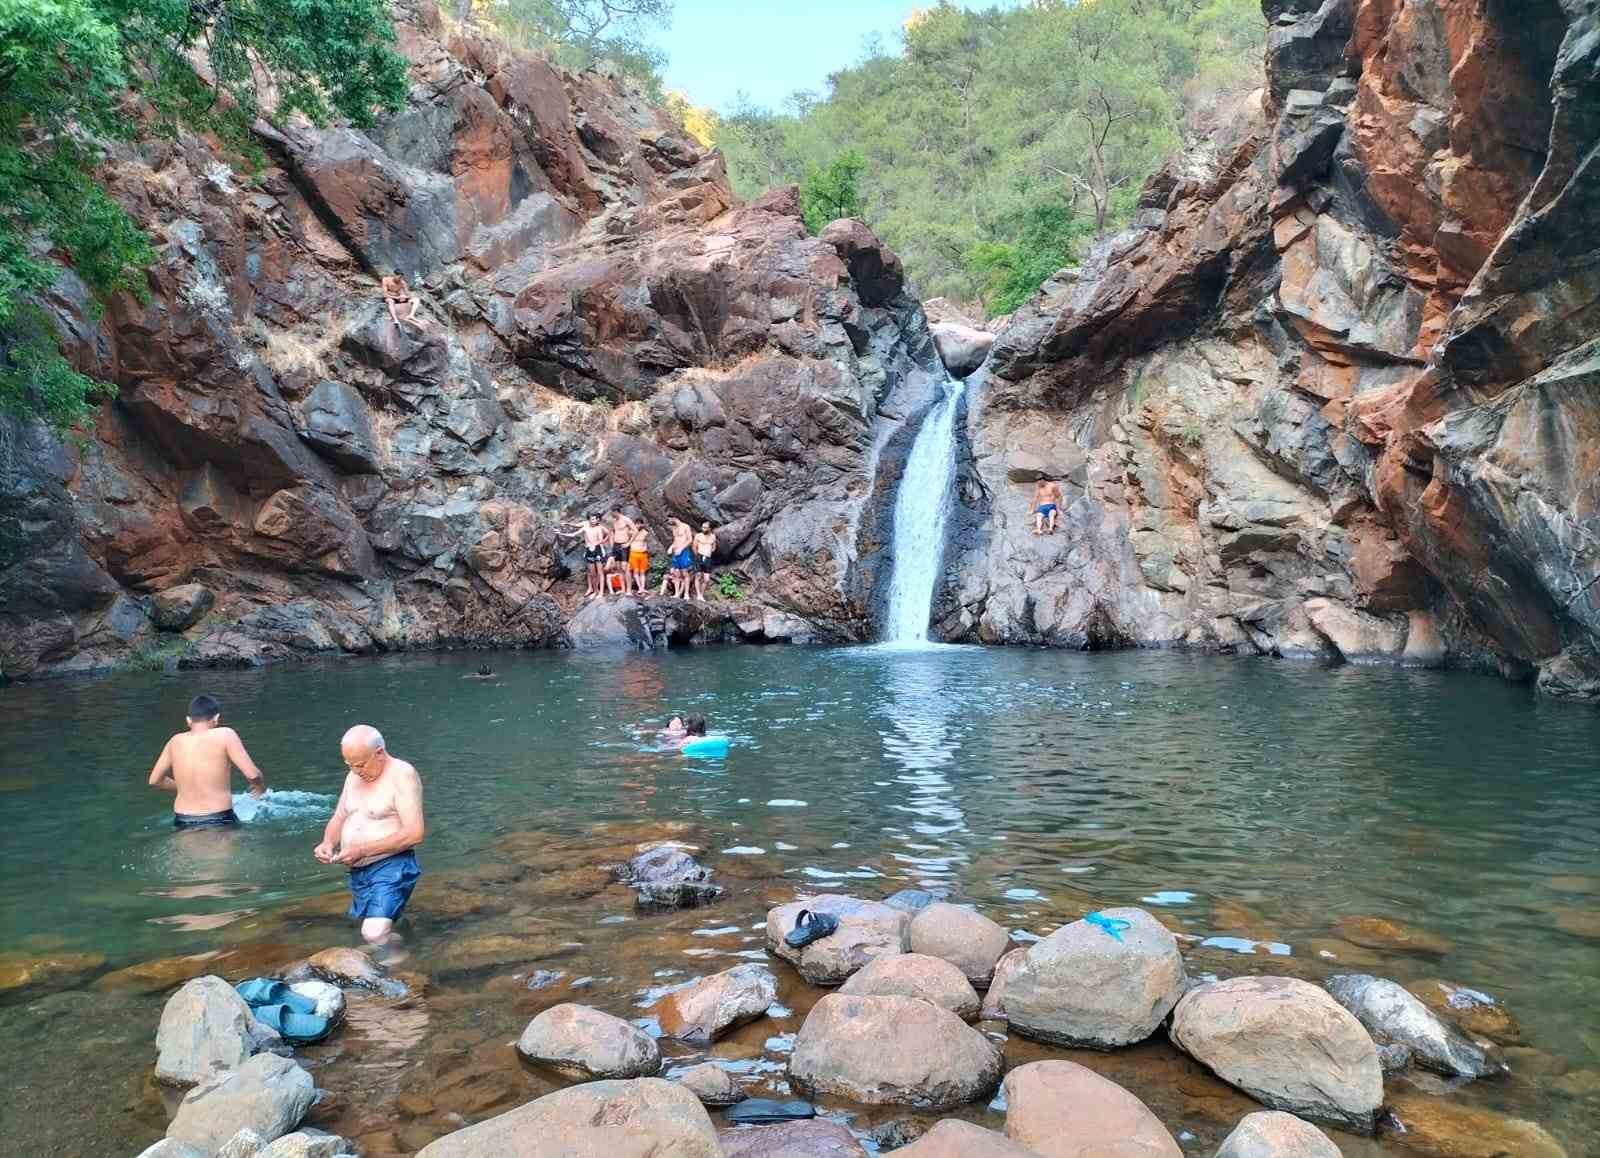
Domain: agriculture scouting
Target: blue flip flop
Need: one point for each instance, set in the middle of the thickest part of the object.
(262, 991)
(1112, 927)
(295, 1028)
(809, 927)
(762, 1111)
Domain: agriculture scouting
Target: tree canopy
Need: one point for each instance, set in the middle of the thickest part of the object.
(66, 71)
(582, 33)
(995, 142)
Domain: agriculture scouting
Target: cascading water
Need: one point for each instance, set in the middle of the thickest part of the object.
(921, 510)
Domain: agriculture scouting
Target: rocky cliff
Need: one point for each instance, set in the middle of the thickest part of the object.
(284, 471)
(1337, 391)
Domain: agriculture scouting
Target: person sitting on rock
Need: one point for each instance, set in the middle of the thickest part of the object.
(639, 558)
(397, 294)
(705, 547)
(197, 765)
(1046, 504)
(680, 561)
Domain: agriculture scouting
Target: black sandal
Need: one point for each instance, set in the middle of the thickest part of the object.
(809, 927)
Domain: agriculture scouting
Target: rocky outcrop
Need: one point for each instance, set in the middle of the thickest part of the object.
(1332, 394)
(605, 326)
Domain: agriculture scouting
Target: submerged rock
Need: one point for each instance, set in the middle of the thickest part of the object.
(27, 974)
(669, 878)
(1086, 986)
(916, 975)
(206, 1029)
(964, 937)
(1274, 1134)
(1470, 1010)
(705, 1009)
(342, 966)
(817, 1138)
(1393, 1016)
(953, 1138)
(609, 1119)
(1439, 1128)
(867, 930)
(1394, 936)
(1059, 1109)
(267, 1094)
(712, 1084)
(1287, 1044)
(584, 1043)
(911, 900)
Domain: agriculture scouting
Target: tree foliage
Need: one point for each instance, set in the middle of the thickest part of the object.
(582, 33)
(66, 68)
(830, 193)
(994, 143)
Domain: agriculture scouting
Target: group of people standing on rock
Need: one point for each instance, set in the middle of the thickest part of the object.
(620, 548)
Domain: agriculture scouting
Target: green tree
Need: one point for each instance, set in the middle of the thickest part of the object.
(65, 71)
(582, 33)
(834, 192)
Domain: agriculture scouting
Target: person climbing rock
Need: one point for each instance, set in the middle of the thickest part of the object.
(398, 295)
(705, 548)
(197, 766)
(1047, 502)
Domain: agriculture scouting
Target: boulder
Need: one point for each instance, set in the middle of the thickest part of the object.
(961, 348)
(705, 1009)
(304, 1145)
(712, 1084)
(1471, 1010)
(894, 1050)
(245, 1144)
(644, 1118)
(953, 1138)
(267, 1094)
(1438, 1128)
(206, 1029)
(1274, 1134)
(1084, 986)
(817, 1138)
(1059, 1109)
(1392, 936)
(1287, 1044)
(911, 900)
(874, 268)
(180, 607)
(347, 967)
(338, 427)
(916, 975)
(964, 937)
(994, 999)
(867, 930)
(172, 1148)
(668, 878)
(1394, 1017)
(583, 1043)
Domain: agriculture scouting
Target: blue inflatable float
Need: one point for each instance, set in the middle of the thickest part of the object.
(706, 746)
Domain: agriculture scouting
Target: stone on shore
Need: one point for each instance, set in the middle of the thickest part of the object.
(643, 1118)
(206, 1029)
(668, 878)
(245, 1144)
(994, 998)
(1394, 936)
(1470, 1010)
(267, 1094)
(964, 937)
(892, 1050)
(304, 1145)
(1287, 1044)
(1392, 1016)
(1060, 1109)
(953, 1138)
(1081, 986)
(705, 1009)
(585, 1044)
(712, 1084)
(867, 930)
(1274, 1134)
(816, 1138)
(917, 975)
(1439, 1128)
(172, 1148)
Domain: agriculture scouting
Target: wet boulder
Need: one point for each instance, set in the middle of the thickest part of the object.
(705, 1009)
(1394, 1017)
(911, 900)
(614, 1119)
(584, 1044)
(1287, 1044)
(892, 1050)
(712, 1084)
(964, 937)
(817, 1138)
(1391, 936)
(1274, 1134)
(1090, 985)
(1442, 1128)
(953, 1138)
(867, 930)
(206, 1029)
(1059, 1109)
(267, 1094)
(916, 975)
(668, 878)
(994, 998)
(1471, 1010)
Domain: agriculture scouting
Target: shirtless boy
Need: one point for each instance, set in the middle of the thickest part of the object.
(195, 765)
(622, 530)
(680, 560)
(1046, 505)
(374, 827)
(705, 546)
(639, 558)
(397, 294)
(595, 539)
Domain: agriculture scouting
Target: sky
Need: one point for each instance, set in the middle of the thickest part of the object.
(770, 48)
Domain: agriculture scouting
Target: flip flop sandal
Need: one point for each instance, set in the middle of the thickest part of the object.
(295, 1028)
(259, 991)
(763, 1111)
(809, 927)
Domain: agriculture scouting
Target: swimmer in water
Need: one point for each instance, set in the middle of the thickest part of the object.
(484, 672)
(197, 766)
(673, 733)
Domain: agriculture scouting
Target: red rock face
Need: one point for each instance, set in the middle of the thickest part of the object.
(605, 326)
(1390, 413)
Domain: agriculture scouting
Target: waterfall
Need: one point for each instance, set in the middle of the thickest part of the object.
(921, 510)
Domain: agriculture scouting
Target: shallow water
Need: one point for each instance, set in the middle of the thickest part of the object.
(1251, 802)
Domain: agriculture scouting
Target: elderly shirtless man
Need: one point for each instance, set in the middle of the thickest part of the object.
(374, 827)
(196, 765)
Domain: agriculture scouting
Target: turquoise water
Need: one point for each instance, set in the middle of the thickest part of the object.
(1249, 801)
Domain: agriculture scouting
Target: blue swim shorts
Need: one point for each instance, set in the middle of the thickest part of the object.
(683, 561)
(1046, 509)
(382, 888)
